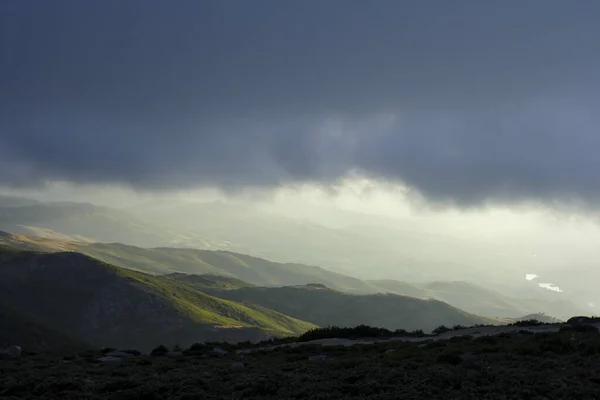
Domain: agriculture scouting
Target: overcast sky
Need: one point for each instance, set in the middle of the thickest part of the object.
(465, 100)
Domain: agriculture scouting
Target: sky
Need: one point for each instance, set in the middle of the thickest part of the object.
(463, 103)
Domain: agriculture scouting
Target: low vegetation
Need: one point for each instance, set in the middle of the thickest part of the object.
(558, 365)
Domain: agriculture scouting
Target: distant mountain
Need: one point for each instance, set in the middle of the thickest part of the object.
(484, 301)
(344, 241)
(16, 201)
(324, 306)
(164, 260)
(111, 306)
(345, 249)
(87, 222)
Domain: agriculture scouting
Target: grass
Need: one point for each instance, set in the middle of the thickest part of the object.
(552, 366)
(204, 308)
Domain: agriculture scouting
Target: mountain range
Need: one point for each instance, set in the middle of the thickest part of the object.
(81, 273)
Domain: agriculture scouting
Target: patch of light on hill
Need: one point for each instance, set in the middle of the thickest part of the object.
(550, 286)
(531, 277)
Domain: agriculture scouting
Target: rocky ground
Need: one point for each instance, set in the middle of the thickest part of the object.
(509, 365)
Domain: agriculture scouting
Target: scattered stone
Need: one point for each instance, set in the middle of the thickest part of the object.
(119, 354)
(318, 357)
(219, 352)
(236, 366)
(14, 351)
(109, 359)
(389, 351)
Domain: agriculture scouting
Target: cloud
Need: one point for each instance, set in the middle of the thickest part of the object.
(464, 101)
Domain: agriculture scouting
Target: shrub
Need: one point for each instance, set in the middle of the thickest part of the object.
(583, 328)
(357, 332)
(159, 351)
(529, 322)
(441, 329)
(449, 357)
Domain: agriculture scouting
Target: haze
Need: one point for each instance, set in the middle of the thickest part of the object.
(418, 141)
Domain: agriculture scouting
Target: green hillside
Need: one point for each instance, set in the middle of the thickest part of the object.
(107, 305)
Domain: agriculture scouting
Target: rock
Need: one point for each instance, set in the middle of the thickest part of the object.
(219, 352)
(237, 365)
(119, 354)
(14, 351)
(318, 357)
(389, 351)
(109, 359)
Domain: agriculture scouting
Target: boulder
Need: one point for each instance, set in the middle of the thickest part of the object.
(236, 366)
(109, 359)
(219, 352)
(119, 354)
(12, 352)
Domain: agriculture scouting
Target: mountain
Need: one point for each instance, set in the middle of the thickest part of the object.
(16, 201)
(344, 241)
(110, 306)
(467, 296)
(165, 260)
(324, 306)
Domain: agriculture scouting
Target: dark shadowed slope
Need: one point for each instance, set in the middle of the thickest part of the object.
(106, 305)
(20, 330)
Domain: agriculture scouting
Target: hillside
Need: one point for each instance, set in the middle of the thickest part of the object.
(165, 260)
(466, 296)
(323, 306)
(110, 306)
(17, 329)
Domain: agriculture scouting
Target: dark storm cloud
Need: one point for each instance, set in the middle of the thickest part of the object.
(465, 100)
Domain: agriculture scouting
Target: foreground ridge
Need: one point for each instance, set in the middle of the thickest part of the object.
(558, 361)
